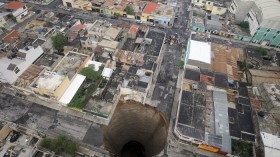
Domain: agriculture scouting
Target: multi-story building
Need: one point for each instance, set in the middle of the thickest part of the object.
(17, 9)
(263, 18)
(216, 7)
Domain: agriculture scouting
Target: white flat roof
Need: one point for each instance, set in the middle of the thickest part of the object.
(107, 72)
(11, 76)
(50, 80)
(271, 144)
(96, 64)
(72, 89)
(200, 51)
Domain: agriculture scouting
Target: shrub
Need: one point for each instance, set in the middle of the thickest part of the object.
(60, 145)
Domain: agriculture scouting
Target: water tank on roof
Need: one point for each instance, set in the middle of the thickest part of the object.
(40, 30)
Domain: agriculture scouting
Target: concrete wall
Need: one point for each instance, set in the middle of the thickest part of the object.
(241, 8)
(61, 88)
(3, 22)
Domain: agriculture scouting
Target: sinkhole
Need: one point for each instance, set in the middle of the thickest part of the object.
(135, 130)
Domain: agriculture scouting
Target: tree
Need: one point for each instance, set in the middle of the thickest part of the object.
(242, 148)
(244, 24)
(60, 144)
(181, 64)
(58, 41)
(129, 10)
(90, 73)
(262, 51)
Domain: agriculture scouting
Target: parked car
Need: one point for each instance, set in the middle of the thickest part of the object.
(139, 21)
(114, 17)
(102, 15)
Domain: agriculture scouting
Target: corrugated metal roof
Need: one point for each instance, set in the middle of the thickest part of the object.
(221, 119)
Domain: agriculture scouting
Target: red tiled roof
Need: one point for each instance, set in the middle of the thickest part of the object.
(151, 7)
(14, 5)
(133, 29)
(11, 37)
(78, 27)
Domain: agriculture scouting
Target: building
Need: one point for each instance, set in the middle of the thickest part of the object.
(3, 19)
(216, 7)
(257, 77)
(148, 13)
(17, 9)
(71, 90)
(51, 85)
(14, 64)
(263, 19)
(271, 144)
(270, 94)
(202, 115)
(158, 13)
(78, 4)
(198, 54)
(240, 8)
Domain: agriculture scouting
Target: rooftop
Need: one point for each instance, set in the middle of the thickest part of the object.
(200, 51)
(271, 144)
(221, 119)
(70, 64)
(48, 60)
(28, 76)
(12, 37)
(225, 59)
(49, 80)
(260, 76)
(11, 69)
(240, 119)
(108, 44)
(72, 89)
(273, 91)
(128, 57)
(14, 5)
(151, 7)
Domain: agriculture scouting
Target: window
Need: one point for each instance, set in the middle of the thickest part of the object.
(16, 70)
(197, 0)
(232, 8)
(24, 7)
(209, 2)
(250, 16)
(234, 3)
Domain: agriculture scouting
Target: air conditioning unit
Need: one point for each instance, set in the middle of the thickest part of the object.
(194, 86)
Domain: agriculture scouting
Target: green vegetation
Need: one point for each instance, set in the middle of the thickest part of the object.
(243, 66)
(242, 148)
(129, 10)
(60, 145)
(117, 14)
(181, 64)
(10, 16)
(93, 78)
(58, 41)
(244, 25)
(262, 51)
(14, 19)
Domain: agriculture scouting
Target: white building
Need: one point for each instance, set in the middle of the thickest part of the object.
(271, 145)
(199, 54)
(12, 68)
(18, 9)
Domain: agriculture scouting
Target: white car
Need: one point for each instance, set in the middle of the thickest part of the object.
(139, 21)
